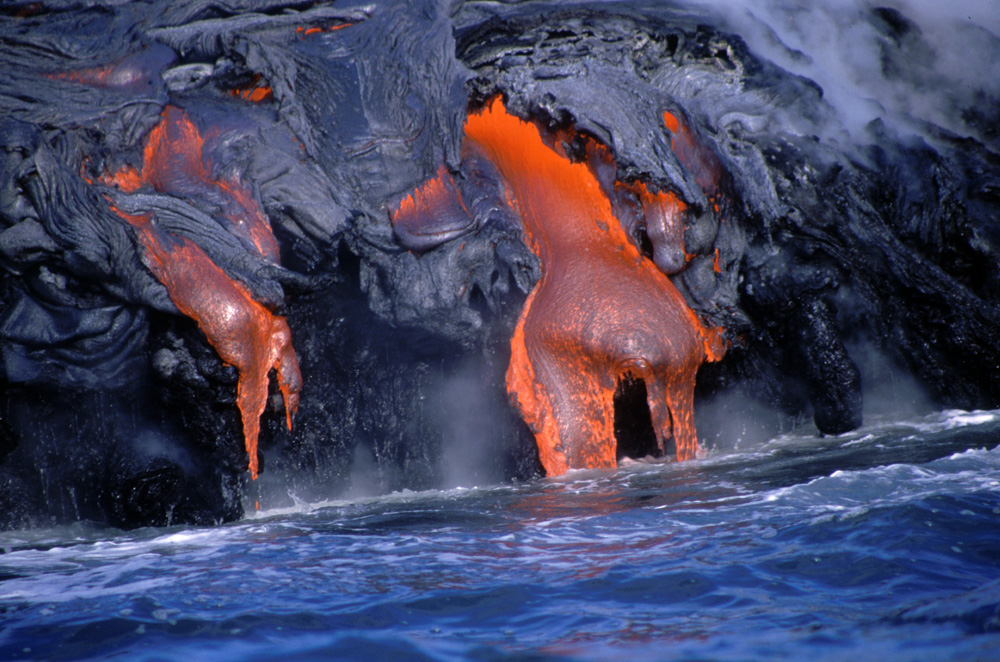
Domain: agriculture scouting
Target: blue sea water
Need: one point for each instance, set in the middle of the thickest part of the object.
(883, 544)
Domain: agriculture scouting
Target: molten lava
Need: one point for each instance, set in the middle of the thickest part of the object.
(173, 163)
(601, 312)
(244, 333)
(432, 214)
(304, 32)
(255, 92)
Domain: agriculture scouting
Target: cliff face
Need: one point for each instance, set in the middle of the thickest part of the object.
(196, 196)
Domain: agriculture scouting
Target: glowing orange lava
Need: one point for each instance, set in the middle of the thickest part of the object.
(304, 32)
(244, 333)
(600, 312)
(433, 213)
(670, 121)
(256, 92)
(173, 163)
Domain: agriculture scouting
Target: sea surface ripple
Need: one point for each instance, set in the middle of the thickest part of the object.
(883, 543)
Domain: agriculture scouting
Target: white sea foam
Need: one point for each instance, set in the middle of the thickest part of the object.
(849, 493)
(308, 507)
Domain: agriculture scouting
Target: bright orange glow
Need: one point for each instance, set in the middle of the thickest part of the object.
(600, 312)
(432, 213)
(127, 179)
(173, 163)
(246, 335)
(254, 93)
(671, 122)
(304, 32)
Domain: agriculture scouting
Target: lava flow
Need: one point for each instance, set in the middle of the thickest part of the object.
(304, 32)
(244, 333)
(173, 163)
(601, 312)
(134, 73)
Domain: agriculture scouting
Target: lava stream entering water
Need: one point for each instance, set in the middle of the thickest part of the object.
(600, 313)
(244, 333)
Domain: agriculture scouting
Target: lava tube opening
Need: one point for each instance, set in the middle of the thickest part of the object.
(635, 436)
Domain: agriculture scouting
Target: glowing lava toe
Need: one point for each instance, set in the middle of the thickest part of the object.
(601, 311)
(245, 334)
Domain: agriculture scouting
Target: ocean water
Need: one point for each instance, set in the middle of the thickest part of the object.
(883, 544)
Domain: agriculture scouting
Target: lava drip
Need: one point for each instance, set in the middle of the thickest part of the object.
(600, 313)
(663, 219)
(245, 334)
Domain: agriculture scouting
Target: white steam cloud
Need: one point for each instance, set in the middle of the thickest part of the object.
(940, 69)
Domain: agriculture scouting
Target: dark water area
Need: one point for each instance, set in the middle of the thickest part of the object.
(880, 544)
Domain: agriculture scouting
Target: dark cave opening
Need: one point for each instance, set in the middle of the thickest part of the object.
(634, 431)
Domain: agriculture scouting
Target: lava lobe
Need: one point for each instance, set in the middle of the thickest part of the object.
(244, 333)
(600, 313)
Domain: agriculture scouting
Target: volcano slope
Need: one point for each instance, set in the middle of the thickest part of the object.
(195, 196)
